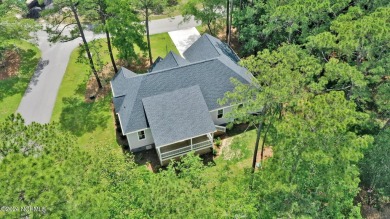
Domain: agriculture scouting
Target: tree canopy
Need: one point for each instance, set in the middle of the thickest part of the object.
(209, 13)
(13, 24)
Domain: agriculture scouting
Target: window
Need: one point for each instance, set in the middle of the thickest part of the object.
(141, 135)
(220, 113)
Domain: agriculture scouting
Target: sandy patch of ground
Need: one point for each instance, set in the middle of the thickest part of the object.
(93, 92)
(10, 66)
(267, 153)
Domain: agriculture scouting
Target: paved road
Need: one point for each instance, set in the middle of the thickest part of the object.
(171, 24)
(38, 101)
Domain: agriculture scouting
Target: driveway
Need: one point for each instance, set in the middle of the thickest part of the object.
(38, 101)
(184, 38)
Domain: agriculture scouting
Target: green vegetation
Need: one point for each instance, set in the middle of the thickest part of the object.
(209, 12)
(101, 181)
(92, 122)
(13, 33)
(322, 87)
(112, 178)
(162, 44)
(56, 175)
(125, 39)
(76, 75)
(12, 89)
(174, 8)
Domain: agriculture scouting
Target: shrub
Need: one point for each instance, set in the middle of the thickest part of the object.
(218, 142)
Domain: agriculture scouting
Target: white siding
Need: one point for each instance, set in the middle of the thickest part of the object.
(216, 120)
(135, 143)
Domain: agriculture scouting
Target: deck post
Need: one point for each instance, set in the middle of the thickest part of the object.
(159, 155)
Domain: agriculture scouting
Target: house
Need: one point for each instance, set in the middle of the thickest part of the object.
(173, 108)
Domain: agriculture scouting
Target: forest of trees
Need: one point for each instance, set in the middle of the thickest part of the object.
(323, 84)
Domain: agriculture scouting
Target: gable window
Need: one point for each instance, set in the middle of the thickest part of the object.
(141, 135)
(220, 113)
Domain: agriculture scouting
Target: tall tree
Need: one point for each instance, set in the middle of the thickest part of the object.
(313, 171)
(41, 166)
(358, 43)
(375, 166)
(115, 18)
(60, 14)
(97, 14)
(283, 77)
(126, 29)
(227, 20)
(209, 12)
(230, 21)
(269, 23)
(146, 7)
(13, 27)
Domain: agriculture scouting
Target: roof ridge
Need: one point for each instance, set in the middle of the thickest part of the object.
(123, 69)
(180, 66)
(135, 98)
(173, 55)
(207, 35)
(173, 91)
(250, 75)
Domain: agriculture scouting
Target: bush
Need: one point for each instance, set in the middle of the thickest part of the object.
(159, 9)
(172, 3)
(218, 142)
(215, 152)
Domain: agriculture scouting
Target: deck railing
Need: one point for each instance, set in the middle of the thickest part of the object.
(220, 128)
(185, 150)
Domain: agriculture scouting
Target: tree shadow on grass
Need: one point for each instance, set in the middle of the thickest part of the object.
(29, 62)
(79, 117)
(35, 78)
(19, 83)
(12, 86)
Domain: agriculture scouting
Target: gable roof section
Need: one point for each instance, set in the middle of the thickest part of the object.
(178, 115)
(158, 60)
(213, 77)
(208, 47)
(119, 83)
(171, 60)
(118, 101)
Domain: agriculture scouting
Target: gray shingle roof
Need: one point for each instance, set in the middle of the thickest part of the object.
(171, 60)
(118, 101)
(207, 47)
(159, 59)
(178, 115)
(121, 81)
(213, 76)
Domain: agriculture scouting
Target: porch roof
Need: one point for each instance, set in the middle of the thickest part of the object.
(177, 115)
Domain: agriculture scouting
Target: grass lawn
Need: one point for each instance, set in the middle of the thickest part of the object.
(234, 160)
(92, 123)
(12, 89)
(161, 44)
